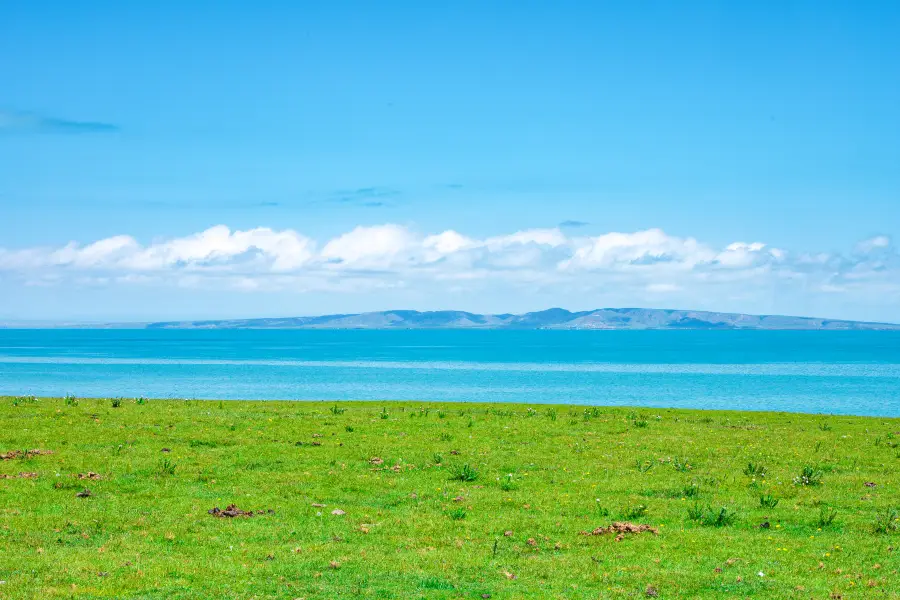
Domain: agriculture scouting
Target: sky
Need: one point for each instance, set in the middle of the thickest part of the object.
(187, 160)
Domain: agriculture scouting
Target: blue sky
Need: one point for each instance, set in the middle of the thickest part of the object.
(361, 132)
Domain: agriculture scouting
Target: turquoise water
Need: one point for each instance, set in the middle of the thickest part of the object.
(802, 371)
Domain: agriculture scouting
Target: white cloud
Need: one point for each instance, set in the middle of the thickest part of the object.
(218, 247)
(392, 256)
(639, 249)
(379, 247)
(663, 288)
(876, 243)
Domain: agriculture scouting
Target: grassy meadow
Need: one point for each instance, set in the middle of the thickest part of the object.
(429, 500)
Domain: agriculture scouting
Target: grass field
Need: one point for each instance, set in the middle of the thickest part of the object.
(414, 500)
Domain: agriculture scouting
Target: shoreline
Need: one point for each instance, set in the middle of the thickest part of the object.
(456, 404)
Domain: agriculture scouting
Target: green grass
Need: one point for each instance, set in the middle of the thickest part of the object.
(442, 501)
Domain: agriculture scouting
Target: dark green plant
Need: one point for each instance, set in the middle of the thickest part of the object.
(457, 514)
(509, 483)
(768, 501)
(826, 516)
(691, 491)
(643, 465)
(887, 521)
(463, 473)
(202, 444)
(166, 467)
(719, 518)
(681, 464)
(809, 476)
(695, 512)
(755, 470)
(710, 517)
(337, 410)
(116, 402)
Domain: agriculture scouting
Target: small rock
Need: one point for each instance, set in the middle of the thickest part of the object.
(764, 525)
(317, 505)
(507, 534)
(870, 484)
(338, 512)
(85, 493)
(166, 450)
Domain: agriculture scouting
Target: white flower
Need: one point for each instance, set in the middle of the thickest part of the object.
(761, 574)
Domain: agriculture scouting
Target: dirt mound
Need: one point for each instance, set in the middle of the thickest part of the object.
(232, 511)
(89, 475)
(20, 476)
(621, 528)
(13, 454)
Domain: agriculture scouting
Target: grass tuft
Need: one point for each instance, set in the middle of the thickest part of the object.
(887, 520)
(463, 473)
(712, 517)
(768, 501)
(809, 476)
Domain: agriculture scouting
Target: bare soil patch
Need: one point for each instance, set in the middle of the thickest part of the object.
(231, 511)
(620, 528)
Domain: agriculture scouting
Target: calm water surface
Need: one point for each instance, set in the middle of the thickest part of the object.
(814, 371)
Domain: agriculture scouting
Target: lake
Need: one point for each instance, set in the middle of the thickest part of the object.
(853, 372)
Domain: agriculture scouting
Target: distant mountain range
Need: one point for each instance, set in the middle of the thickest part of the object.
(554, 318)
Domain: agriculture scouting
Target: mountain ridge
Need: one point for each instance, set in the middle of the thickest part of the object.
(553, 318)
